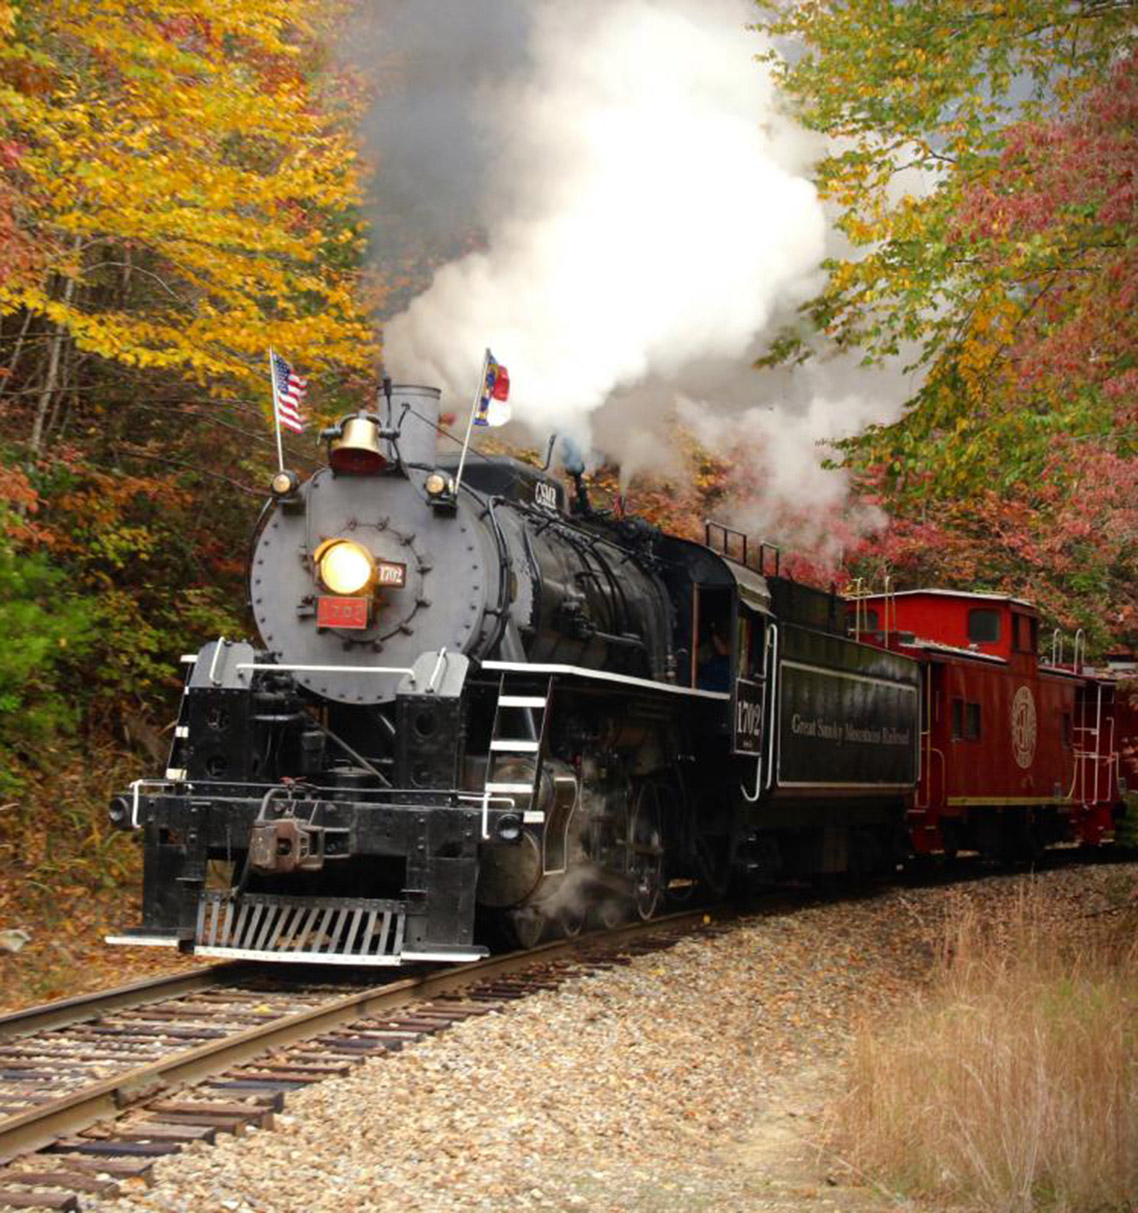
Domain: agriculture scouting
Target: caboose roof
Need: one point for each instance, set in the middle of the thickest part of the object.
(951, 650)
(963, 595)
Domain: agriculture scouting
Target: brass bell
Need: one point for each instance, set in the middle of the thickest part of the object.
(354, 447)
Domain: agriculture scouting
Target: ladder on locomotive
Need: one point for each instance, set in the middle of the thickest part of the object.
(178, 761)
(519, 732)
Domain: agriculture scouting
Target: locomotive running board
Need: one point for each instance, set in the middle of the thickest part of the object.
(311, 930)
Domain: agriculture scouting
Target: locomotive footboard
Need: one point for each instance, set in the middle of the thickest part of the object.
(307, 875)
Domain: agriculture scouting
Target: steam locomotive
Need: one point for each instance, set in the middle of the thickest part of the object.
(477, 706)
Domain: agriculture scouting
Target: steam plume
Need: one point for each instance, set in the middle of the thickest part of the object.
(647, 223)
(641, 216)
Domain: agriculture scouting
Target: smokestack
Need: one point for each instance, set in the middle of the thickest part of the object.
(414, 412)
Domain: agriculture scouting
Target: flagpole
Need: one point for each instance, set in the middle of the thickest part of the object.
(478, 394)
(276, 413)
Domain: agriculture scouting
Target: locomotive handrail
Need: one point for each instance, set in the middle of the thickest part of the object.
(723, 548)
(772, 682)
(312, 791)
(213, 679)
(531, 667)
(325, 669)
(135, 790)
(747, 796)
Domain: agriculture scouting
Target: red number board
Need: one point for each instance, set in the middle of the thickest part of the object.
(341, 612)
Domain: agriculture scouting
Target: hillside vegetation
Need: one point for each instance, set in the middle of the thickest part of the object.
(981, 161)
(179, 192)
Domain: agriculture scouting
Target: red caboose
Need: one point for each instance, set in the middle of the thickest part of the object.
(1014, 753)
(1106, 731)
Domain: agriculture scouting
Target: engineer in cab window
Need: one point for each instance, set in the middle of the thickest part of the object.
(714, 672)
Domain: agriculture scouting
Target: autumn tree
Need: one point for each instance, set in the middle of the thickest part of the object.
(184, 189)
(180, 191)
(982, 167)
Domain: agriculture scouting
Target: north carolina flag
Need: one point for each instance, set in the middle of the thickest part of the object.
(493, 408)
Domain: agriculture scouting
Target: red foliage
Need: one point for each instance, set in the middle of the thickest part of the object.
(1052, 511)
(1062, 213)
(1063, 541)
(18, 499)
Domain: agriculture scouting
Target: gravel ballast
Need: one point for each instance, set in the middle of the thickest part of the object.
(669, 1084)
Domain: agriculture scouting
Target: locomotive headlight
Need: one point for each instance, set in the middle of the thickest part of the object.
(436, 484)
(344, 567)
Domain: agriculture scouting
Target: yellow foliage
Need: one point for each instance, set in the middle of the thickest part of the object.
(180, 148)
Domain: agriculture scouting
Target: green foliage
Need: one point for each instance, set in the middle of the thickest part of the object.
(156, 574)
(47, 630)
(981, 163)
(918, 98)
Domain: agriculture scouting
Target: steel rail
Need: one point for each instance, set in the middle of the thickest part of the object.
(67, 1011)
(79, 1110)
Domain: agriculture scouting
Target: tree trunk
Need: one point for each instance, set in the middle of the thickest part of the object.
(17, 351)
(51, 375)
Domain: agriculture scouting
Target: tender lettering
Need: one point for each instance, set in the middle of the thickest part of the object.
(845, 731)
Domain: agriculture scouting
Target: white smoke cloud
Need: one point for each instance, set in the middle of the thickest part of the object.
(649, 225)
(651, 213)
(788, 494)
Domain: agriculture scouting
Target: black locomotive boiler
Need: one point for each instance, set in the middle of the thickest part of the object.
(476, 705)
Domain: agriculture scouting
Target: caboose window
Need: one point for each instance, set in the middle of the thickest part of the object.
(983, 626)
(1026, 633)
(965, 721)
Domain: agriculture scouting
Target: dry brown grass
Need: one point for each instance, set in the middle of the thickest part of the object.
(1013, 1085)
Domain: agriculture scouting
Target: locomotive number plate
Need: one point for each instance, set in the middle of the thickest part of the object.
(748, 732)
(341, 612)
(390, 574)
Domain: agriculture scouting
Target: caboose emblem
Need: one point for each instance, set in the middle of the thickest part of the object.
(1024, 727)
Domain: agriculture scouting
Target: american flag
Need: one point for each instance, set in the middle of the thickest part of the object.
(288, 394)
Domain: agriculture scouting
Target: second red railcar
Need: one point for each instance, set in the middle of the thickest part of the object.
(1015, 753)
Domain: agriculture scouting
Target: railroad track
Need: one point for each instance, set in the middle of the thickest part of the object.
(94, 1089)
